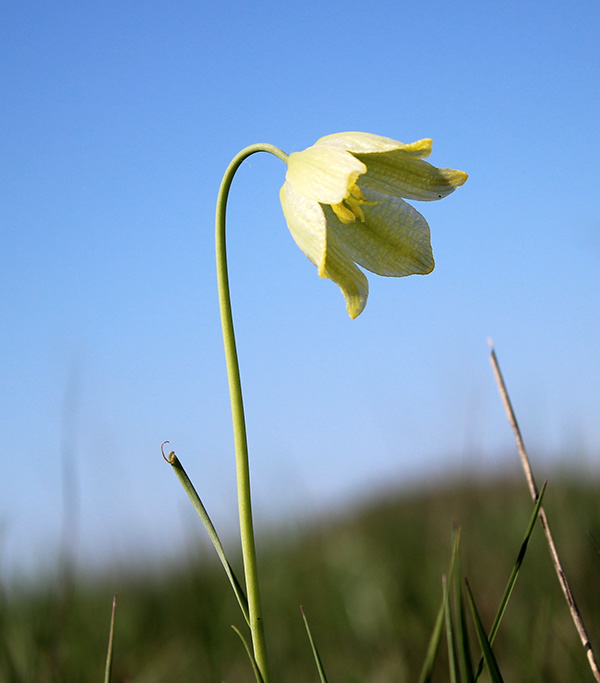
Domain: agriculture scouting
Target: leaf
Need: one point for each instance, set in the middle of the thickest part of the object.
(316, 655)
(486, 648)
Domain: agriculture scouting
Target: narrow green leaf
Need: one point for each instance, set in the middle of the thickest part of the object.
(515, 571)
(316, 655)
(173, 460)
(462, 635)
(257, 674)
(436, 636)
(450, 636)
(486, 648)
(514, 574)
(433, 648)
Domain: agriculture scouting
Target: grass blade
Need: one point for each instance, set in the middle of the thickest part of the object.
(558, 568)
(313, 646)
(486, 648)
(436, 636)
(433, 648)
(515, 571)
(450, 636)
(111, 634)
(462, 636)
(513, 575)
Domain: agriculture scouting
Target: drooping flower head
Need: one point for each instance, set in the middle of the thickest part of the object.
(343, 200)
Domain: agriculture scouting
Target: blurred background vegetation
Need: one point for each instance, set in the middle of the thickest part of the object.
(369, 581)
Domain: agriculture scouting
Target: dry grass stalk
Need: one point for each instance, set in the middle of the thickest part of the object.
(562, 578)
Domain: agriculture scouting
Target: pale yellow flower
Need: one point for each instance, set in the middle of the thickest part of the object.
(343, 200)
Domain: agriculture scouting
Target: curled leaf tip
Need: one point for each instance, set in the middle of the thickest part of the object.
(168, 458)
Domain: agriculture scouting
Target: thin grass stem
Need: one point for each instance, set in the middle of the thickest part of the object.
(560, 572)
(111, 636)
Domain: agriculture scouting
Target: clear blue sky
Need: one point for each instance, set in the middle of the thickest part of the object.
(118, 120)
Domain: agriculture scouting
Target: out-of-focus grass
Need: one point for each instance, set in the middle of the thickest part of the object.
(369, 583)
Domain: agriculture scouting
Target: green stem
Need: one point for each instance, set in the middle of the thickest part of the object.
(237, 411)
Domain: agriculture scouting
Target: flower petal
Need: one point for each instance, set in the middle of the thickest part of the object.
(400, 174)
(393, 240)
(323, 173)
(367, 143)
(340, 268)
(306, 223)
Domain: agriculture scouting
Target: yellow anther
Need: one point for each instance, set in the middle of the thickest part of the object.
(356, 192)
(344, 213)
(351, 208)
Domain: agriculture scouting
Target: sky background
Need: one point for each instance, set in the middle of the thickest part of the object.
(117, 122)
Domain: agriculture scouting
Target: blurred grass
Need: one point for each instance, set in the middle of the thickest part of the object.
(369, 583)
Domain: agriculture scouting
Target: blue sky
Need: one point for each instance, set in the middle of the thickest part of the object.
(118, 120)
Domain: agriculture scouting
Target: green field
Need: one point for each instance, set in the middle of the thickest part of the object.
(369, 582)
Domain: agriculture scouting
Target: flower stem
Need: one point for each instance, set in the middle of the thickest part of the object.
(237, 411)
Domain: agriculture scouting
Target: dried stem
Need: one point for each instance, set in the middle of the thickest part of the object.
(562, 578)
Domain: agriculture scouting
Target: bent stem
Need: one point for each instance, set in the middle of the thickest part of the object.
(237, 410)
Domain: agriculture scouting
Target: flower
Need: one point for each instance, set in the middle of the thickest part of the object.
(343, 200)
